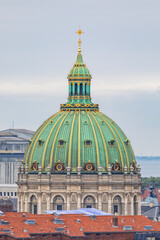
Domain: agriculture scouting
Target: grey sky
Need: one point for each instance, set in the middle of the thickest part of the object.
(120, 46)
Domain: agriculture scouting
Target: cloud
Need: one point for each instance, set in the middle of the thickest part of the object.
(42, 87)
(46, 86)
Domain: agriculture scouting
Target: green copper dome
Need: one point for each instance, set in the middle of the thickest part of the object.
(76, 138)
(79, 138)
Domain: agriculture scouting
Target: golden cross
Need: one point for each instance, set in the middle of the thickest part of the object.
(79, 41)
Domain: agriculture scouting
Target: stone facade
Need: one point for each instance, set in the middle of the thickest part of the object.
(111, 193)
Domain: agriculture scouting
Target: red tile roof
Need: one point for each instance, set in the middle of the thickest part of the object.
(158, 195)
(44, 224)
(145, 194)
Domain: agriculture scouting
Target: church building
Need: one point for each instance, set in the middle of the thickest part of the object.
(79, 158)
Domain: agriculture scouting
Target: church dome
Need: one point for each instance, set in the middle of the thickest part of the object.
(79, 138)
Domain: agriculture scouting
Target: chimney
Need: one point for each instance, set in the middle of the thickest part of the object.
(115, 221)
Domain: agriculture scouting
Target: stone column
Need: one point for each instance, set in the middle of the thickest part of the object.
(100, 201)
(18, 203)
(125, 204)
(131, 206)
(69, 89)
(88, 85)
(48, 198)
(29, 206)
(83, 88)
(68, 201)
(21, 203)
(139, 204)
(78, 88)
(26, 203)
(109, 203)
(78, 200)
(39, 203)
(73, 88)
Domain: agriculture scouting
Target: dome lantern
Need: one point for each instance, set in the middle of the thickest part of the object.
(79, 80)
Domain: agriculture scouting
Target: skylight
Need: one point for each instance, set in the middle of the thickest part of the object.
(60, 229)
(58, 221)
(30, 221)
(2, 222)
(147, 227)
(127, 228)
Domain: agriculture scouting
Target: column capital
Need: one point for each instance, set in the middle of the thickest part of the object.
(48, 169)
(26, 169)
(68, 170)
(79, 170)
(99, 170)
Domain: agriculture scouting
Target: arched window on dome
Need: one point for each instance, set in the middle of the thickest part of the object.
(117, 205)
(33, 205)
(58, 203)
(81, 88)
(76, 89)
(89, 202)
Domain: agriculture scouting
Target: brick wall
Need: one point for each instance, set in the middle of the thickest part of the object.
(104, 236)
(110, 236)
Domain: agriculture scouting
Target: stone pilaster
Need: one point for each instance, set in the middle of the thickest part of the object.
(109, 203)
(100, 201)
(39, 203)
(125, 204)
(78, 200)
(68, 201)
(132, 202)
(48, 198)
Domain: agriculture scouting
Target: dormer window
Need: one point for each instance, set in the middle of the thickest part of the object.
(102, 122)
(85, 122)
(40, 142)
(126, 141)
(88, 143)
(61, 143)
(67, 122)
(112, 142)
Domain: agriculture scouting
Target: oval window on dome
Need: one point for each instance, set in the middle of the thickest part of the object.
(116, 167)
(34, 166)
(89, 166)
(85, 122)
(59, 166)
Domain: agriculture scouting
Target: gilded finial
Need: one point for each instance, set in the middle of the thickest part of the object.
(79, 41)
